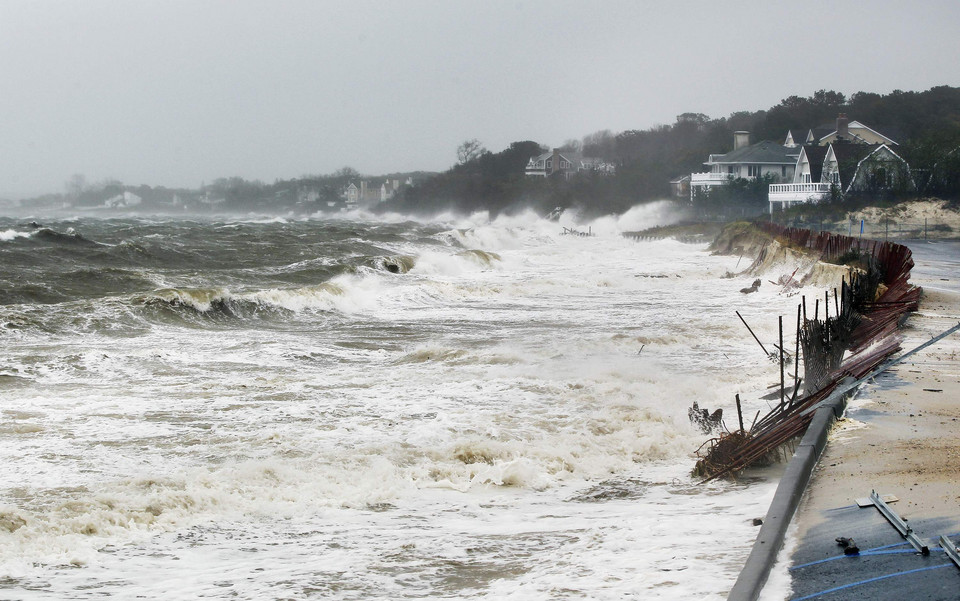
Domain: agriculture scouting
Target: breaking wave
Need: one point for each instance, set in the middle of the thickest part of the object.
(345, 295)
(9, 235)
(68, 237)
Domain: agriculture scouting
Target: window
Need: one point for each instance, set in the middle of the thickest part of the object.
(879, 178)
(753, 170)
(783, 171)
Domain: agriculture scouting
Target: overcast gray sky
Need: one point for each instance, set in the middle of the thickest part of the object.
(177, 92)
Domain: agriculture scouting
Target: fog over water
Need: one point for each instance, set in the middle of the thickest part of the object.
(180, 93)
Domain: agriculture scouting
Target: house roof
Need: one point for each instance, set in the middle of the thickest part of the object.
(761, 152)
(820, 132)
(563, 154)
(574, 158)
(797, 135)
(848, 157)
(850, 154)
(815, 155)
(855, 125)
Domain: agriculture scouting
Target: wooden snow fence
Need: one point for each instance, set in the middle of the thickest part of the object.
(866, 314)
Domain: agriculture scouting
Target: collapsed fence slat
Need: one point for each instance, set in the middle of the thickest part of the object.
(867, 314)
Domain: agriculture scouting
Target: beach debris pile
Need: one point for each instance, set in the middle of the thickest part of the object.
(846, 336)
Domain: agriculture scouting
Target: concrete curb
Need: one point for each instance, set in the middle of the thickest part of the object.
(785, 502)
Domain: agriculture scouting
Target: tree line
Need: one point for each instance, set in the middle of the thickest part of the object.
(925, 124)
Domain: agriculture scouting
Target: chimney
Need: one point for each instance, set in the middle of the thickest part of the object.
(842, 123)
(741, 139)
(556, 161)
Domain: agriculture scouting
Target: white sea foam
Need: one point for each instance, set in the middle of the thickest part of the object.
(507, 419)
(8, 235)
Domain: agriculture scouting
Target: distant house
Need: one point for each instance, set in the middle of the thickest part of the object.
(351, 194)
(308, 194)
(209, 200)
(680, 187)
(388, 189)
(566, 163)
(125, 199)
(745, 161)
(369, 193)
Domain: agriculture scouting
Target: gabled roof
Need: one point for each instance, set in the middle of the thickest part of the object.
(762, 152)
(820, 132)
(854, 125)
(878, 151)
(797, 136)
(574, 158)
(847, 154)
(848, 157)
(815, 155)
(563, 154)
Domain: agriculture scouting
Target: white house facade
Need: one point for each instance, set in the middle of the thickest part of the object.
(746, 161)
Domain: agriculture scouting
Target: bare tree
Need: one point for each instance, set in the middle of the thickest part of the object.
(469, 150)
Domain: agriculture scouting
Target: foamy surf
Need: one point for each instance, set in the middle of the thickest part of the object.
(504, 415)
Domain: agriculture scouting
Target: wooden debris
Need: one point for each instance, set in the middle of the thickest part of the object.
(866, 315)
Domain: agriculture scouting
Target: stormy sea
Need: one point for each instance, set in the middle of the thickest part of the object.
(359, 407)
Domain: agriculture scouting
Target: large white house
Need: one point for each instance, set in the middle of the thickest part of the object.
(745, 161)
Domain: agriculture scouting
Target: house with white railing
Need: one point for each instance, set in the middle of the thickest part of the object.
(836, 161)
(844, 167)
(745, 161)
